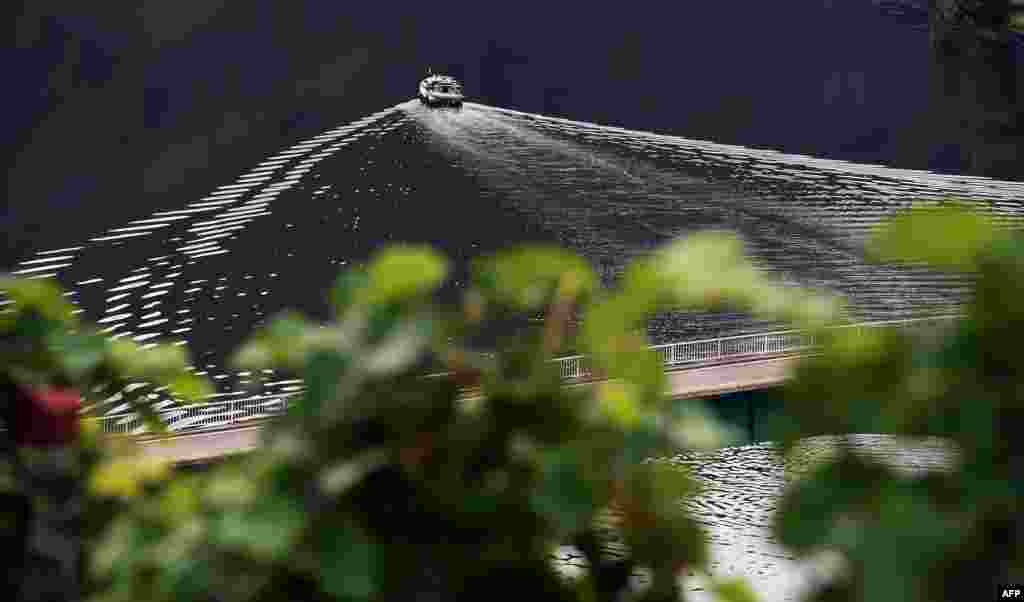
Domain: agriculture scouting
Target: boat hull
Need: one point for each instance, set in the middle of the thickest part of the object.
(451, 94)
(441, 102)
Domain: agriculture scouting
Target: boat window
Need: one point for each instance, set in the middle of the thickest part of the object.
(446, 88)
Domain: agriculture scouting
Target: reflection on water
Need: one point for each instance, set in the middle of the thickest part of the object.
(741, 490)
(473, 180)
(612, 194)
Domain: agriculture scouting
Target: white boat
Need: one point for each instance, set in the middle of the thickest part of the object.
(440, 90)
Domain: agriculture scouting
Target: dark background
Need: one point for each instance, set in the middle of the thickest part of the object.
(117, 112)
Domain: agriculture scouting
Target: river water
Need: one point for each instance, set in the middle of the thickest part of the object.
(741, 487)
(206, 271)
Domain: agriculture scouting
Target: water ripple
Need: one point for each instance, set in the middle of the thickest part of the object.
(474, 180)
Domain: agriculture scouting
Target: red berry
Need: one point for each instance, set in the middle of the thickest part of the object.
(46, 416)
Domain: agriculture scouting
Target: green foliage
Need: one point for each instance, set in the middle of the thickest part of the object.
(931, 536)
(525, 278)
(347, 563)
(43, 298)
(945, 236)
(380, 475)
(374, 458)
(44, 344)
(734, 590)
(403, 271)
(564, 494)
(1015, 15)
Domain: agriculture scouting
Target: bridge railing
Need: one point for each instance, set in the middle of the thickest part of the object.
(739, 346)
(217, 414)
(238, 411)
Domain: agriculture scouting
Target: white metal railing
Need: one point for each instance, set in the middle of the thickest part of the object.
(738, 346)
(687, 353)
(216, 414)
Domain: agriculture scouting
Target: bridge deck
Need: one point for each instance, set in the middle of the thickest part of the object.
(682, 383)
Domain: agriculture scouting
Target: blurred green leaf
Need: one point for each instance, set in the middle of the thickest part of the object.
(816, 509)
(180, 501)
(382, 320)
(690, 425)
(255, 354)
(400, 349)
(563, 493)
(852, 346)
(347, 563)
(283, 343)
(78, 354)
(702, 268)
(644, 279)
(812, 311)
(479, 505)
(643, 441)
(267, 528)
(537, 407)
(616, 347)
(191, 388)
(948, 236)
(42, 296)
(347, 289)
(909, 537)
(657, 528)
(772, 302)
(149, 416)
(114, 546)
(1000, 279)
(160, 364)
(639, 365)
(124, 477)
(122, 353)
(619, 401)
(188, 579)
(324, 370)
(230, 488)
(733, 590)
(611, 320)
(526, 277)
(656, 484)
(337, 479)
(288, 325)
(8, 321)
(400, 272)
(666, 539)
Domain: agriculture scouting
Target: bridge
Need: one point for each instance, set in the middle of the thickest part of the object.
(739, 375)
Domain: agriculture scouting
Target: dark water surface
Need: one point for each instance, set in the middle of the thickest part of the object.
(741, 488)
(474, 180)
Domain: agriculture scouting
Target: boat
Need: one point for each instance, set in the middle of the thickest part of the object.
(441, 90)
